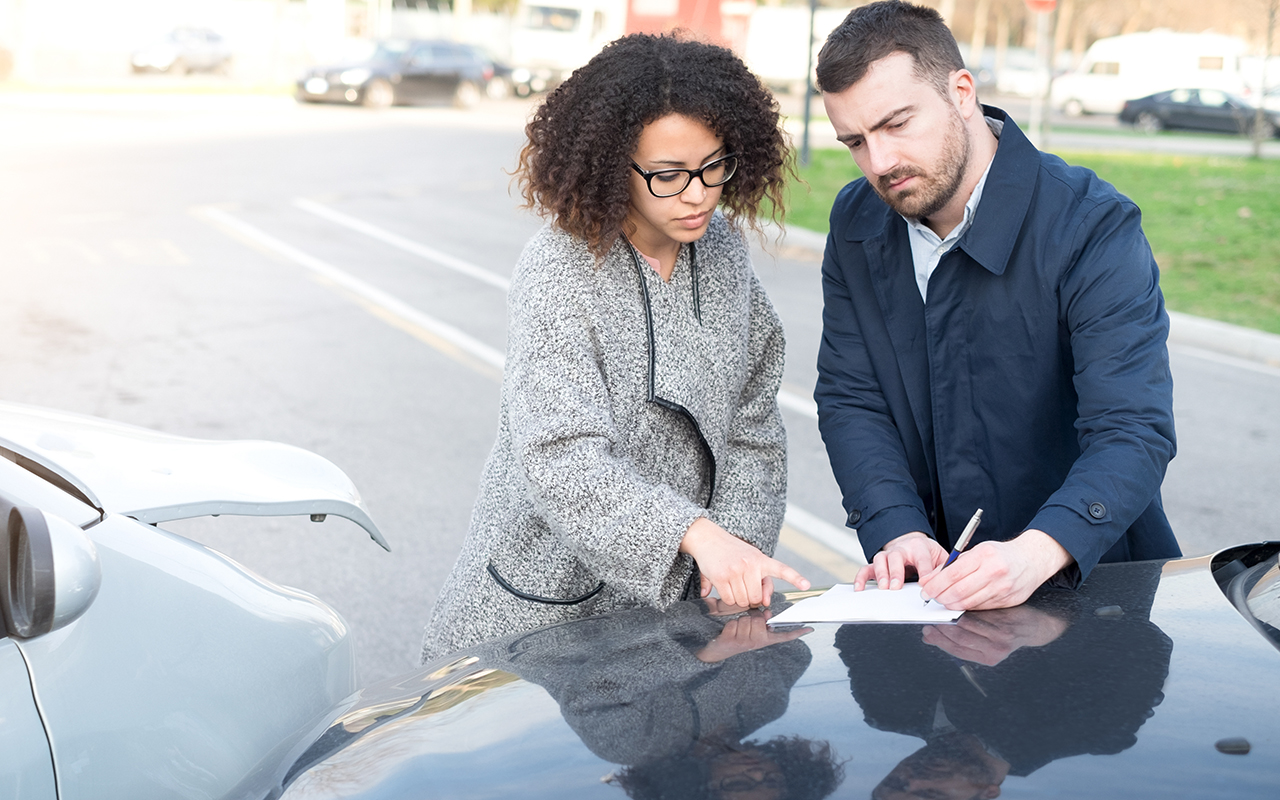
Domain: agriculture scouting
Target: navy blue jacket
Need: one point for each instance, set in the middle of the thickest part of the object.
(1033, 384)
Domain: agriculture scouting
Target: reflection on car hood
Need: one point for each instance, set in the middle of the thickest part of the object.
(1145, 683)
(157, 477)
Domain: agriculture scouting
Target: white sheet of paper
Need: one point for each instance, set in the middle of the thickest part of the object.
(841, 603)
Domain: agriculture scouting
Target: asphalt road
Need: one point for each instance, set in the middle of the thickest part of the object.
(246, 268)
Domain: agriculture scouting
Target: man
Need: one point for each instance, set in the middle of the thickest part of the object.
(993, 334)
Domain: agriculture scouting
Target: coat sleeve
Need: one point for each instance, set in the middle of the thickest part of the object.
(1111, 303)
(750, 500)
(566, 446)
(863, 442)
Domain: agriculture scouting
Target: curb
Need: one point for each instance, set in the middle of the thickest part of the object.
(1184, 329)
(1224, 338)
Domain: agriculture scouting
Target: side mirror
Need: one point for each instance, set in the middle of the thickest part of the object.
(49, 572)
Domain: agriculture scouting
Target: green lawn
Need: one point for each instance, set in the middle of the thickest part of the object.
(1213, 223)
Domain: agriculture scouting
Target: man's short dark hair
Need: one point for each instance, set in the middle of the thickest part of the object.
(874, 31)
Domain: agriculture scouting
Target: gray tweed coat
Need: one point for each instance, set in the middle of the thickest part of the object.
(630, 407)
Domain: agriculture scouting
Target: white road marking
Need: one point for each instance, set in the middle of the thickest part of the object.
(408, 245)
(350, 283)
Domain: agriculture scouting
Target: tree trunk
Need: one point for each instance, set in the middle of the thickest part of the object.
(981, 11)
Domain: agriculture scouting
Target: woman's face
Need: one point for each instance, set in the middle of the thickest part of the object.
(662, 224)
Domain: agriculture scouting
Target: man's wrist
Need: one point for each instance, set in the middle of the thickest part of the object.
(1045, 552)
(904, 537)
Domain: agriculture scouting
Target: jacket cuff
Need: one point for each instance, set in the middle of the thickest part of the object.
(1086, 540)
(888, 524)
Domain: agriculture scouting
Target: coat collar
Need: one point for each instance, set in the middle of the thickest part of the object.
(1006, 200)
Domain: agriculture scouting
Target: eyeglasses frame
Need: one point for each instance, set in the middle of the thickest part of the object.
(692, 173)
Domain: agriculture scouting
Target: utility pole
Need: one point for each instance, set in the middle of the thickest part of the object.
(808, 86)
(1042, 9)
(1262, 128)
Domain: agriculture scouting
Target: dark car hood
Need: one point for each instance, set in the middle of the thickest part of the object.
(1145, 683)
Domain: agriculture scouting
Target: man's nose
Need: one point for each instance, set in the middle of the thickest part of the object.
(881, 157)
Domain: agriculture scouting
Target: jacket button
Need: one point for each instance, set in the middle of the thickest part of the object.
(1097, 510)
(855, 516)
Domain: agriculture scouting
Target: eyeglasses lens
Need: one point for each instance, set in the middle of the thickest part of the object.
(669, 183)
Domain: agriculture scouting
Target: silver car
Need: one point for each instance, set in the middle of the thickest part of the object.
(137, 663)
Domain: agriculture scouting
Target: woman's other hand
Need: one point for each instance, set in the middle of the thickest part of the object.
(740, 573)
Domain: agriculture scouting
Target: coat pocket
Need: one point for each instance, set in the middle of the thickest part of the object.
(534, 598)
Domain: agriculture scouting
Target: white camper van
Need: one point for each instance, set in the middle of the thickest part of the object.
(1138, 64)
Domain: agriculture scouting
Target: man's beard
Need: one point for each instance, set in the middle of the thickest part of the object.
(939, 184)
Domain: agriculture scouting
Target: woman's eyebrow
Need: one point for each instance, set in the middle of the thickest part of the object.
(677, 163)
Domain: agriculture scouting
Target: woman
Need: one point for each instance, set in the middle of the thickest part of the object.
(640, 456)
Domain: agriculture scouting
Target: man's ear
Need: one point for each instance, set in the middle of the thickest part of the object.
(964, 92)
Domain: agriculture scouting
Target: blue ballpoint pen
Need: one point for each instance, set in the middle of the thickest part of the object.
(961, 543)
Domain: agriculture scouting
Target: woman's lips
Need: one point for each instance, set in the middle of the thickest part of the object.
(694, 220)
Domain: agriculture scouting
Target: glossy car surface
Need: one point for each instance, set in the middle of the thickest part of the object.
(155, 666)
(184, 50)
(1155, 680)
(1196, 109)
(403, 72)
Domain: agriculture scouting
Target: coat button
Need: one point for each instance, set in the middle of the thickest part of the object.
(855, 516)
(1097, 510)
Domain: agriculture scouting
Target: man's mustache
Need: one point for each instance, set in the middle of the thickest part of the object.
(886, 180)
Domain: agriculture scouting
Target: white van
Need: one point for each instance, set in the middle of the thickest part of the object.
(1138, 64)
(552, 38)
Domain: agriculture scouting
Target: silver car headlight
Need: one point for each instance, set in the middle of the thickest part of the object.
(355, 77)
(49, 572)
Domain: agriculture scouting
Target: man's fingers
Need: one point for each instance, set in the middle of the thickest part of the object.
(864, 574)
(897, 569)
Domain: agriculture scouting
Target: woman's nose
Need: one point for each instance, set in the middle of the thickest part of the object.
(695, 192)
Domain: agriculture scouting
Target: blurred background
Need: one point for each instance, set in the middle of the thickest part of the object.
(265, 43)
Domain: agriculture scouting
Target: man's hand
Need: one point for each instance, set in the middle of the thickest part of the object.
(739, 571)
(996, 574)
(992, 636)
(889, 567)
(744, 634)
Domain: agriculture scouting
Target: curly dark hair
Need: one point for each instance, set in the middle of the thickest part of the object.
(811, 770)
(575, 168)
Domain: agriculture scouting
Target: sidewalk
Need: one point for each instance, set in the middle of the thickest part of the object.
(1184, 329)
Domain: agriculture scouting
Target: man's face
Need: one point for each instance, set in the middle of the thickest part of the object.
(910, 142)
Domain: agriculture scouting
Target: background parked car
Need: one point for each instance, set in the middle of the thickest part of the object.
(1197, 109)
(402, 72)
(184, 50)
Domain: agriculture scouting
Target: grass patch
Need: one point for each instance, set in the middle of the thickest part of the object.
(1213, 224)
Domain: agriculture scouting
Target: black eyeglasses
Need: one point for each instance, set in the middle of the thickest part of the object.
(671, 182)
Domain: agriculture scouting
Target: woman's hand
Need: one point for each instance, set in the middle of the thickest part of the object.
(739, 571)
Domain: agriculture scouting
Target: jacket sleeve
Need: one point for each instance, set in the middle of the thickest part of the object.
(566, 446)
(750, 500)
(863, 442)
(1112, 307)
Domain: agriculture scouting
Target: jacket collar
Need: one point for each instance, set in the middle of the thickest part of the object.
(1006, 200)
